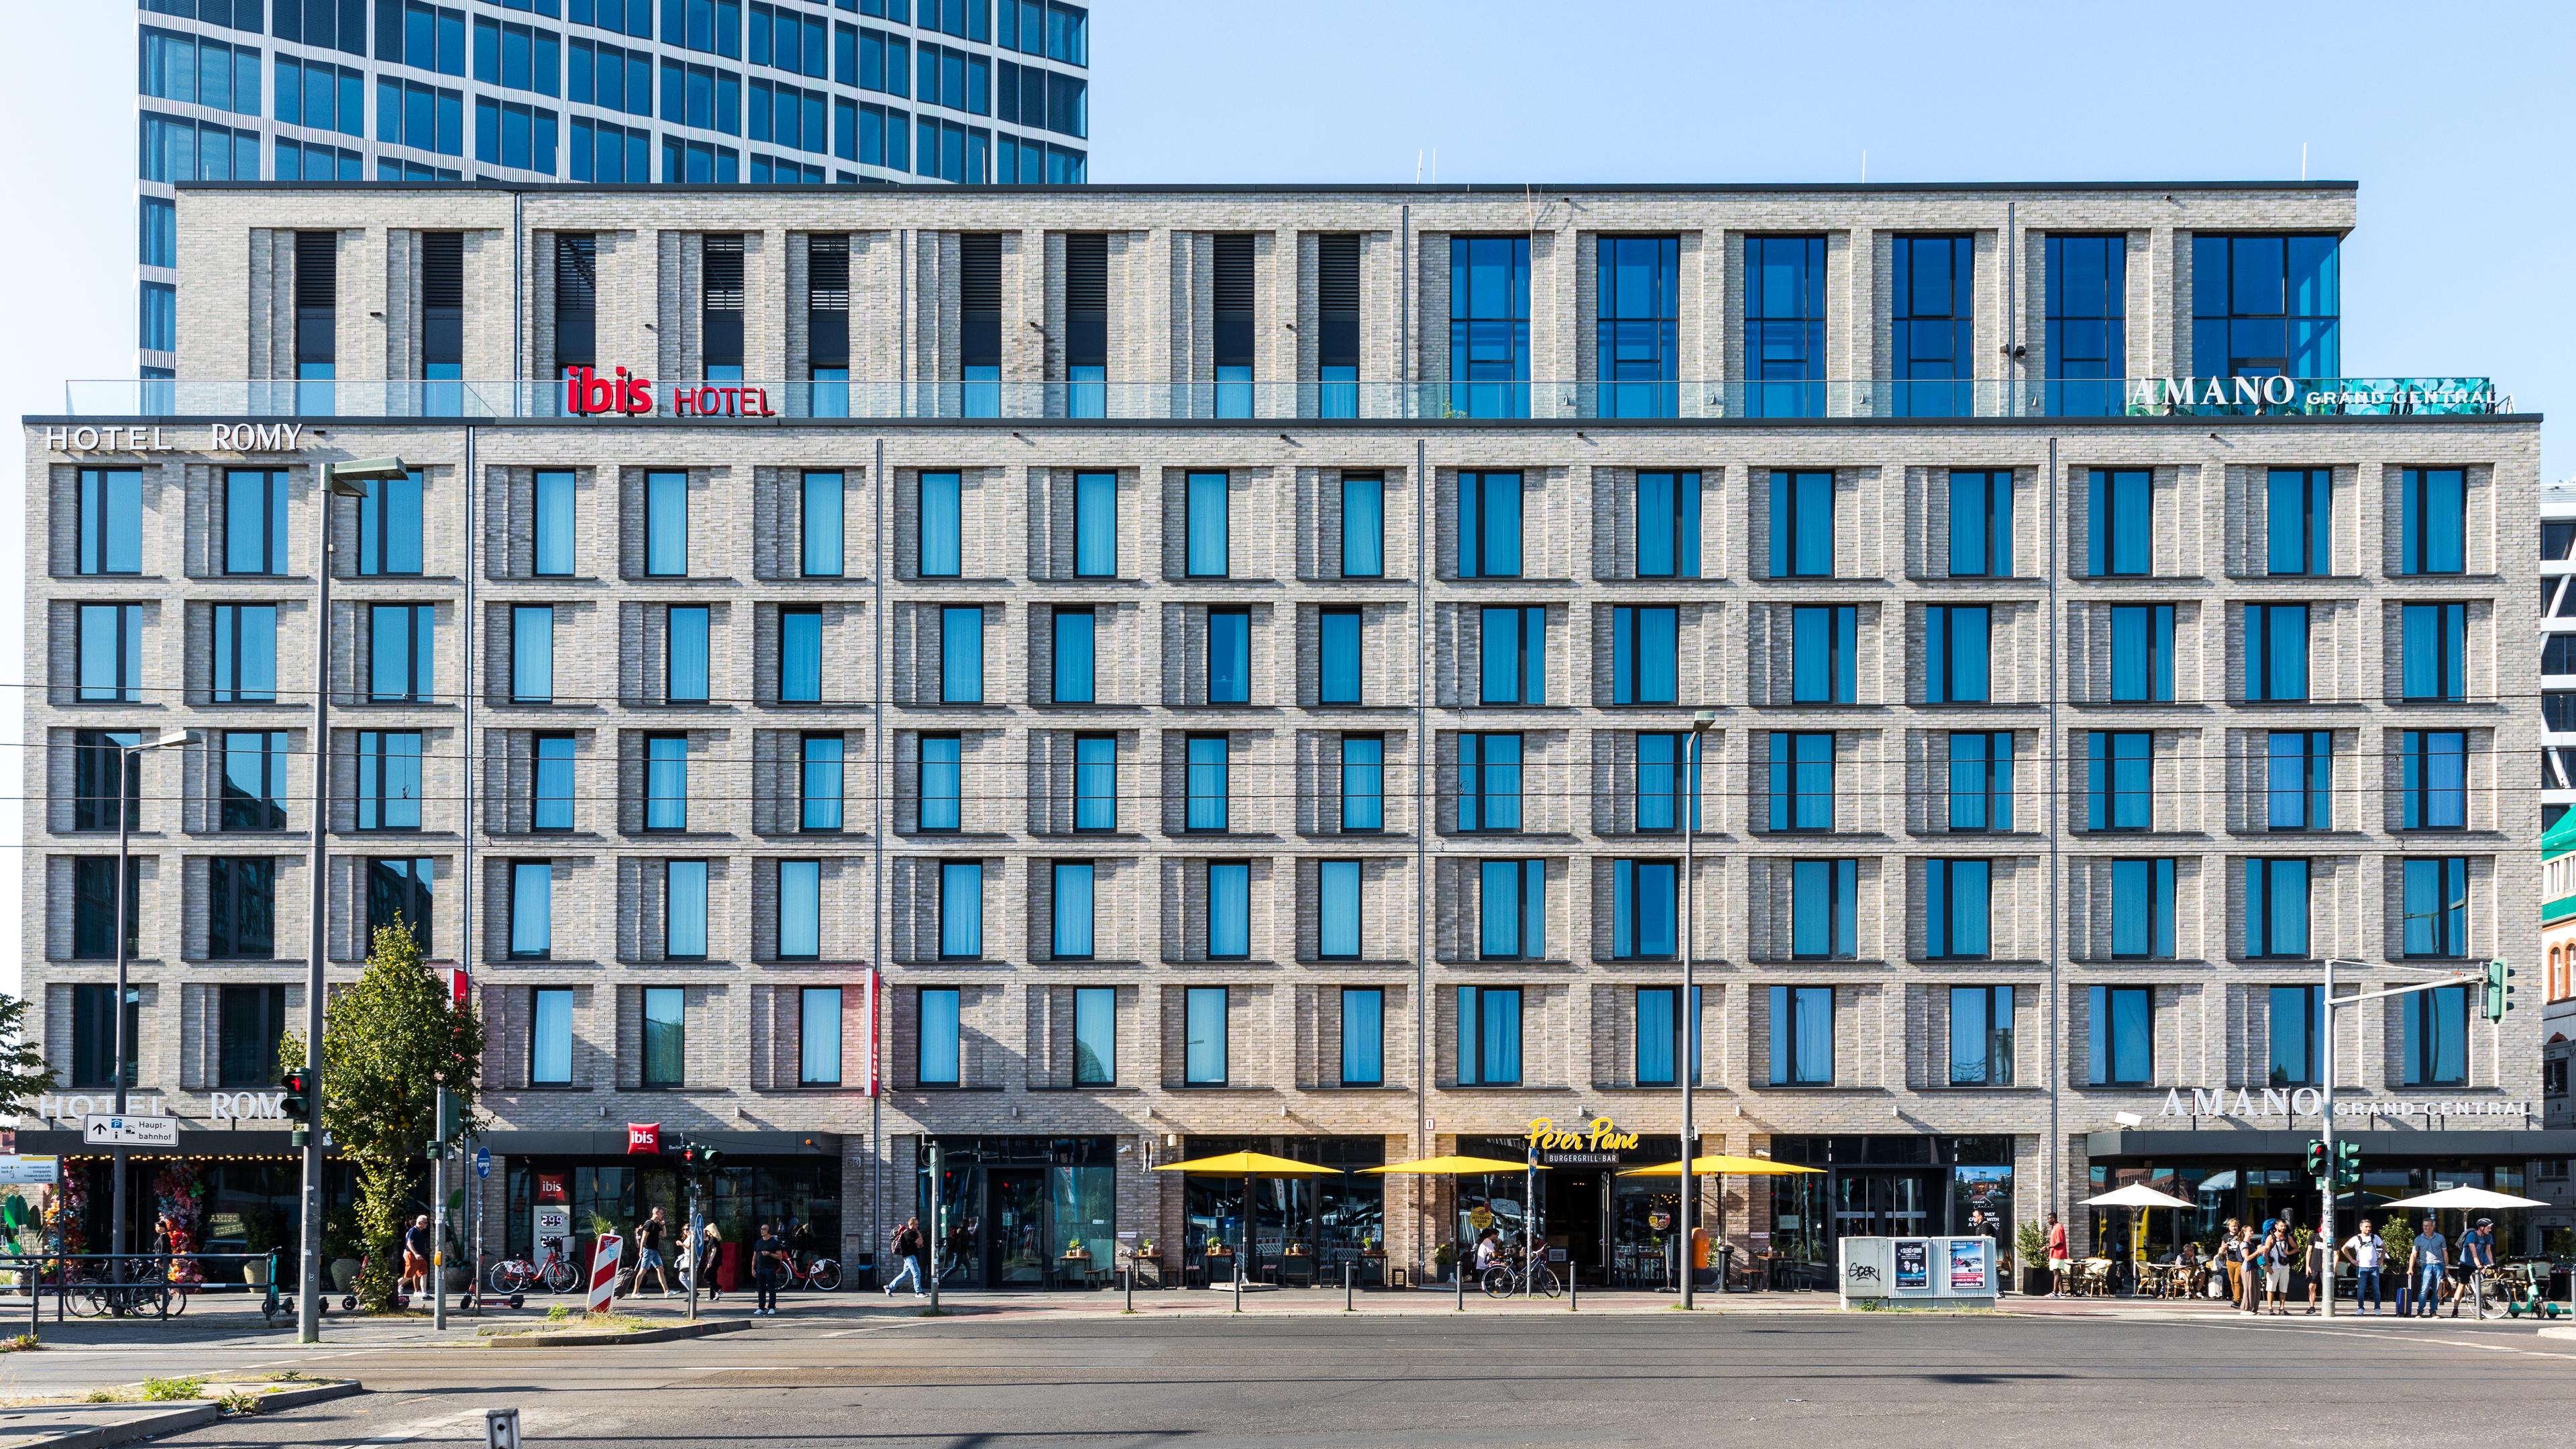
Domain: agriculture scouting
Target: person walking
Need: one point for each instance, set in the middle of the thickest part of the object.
(2249, 1249)
(2477, 1256)
(415, 1255)
(2368, 1252)
(710, 1248)
(2057, 1262)
(907, 1251)
(768, 1267)
(2230, 1258)
(2279, 1253)
(651, 1236)
(2320, 1259)
(2430, 1267)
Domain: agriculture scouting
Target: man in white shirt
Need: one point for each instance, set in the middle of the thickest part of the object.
(2369, 1253)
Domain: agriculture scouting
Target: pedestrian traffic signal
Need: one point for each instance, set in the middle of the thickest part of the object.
(297, 1101)
(2318, 1170)
(710, 1159)
(2499, 990)
(451, 1116)
(2347, 1163)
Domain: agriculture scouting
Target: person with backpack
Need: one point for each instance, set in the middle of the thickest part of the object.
(907, 1250)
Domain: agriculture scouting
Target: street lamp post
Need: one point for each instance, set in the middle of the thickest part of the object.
(1688, 1010)
(125, 770)
(344, 480)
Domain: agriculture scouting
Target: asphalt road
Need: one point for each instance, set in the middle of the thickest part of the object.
(1047, 1383)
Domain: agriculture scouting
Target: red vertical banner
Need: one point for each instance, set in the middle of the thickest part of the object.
(875, 1026)
(458, 984)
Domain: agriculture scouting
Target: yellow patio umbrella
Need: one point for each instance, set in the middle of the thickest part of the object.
(1722, 1163)
(1247, 1165)
(1450, 1166)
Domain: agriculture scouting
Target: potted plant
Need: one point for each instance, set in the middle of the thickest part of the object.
(2030, 1245)
(1441, 1259)
(1074, 1248)
(2399, 1236)
(340, 1241)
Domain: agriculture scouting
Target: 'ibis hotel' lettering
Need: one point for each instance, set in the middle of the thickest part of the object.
(588, 394)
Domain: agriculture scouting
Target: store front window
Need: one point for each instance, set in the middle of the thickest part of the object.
(786, 1193)
(1013, 1209)
(1884, 1186)
(1601, 1226)
(1332, 1220)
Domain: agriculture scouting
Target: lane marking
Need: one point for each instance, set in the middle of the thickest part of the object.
(420, 1427)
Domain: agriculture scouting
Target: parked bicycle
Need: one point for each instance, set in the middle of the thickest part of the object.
(1507, 1278)
(821, 1274)
(552, 1269)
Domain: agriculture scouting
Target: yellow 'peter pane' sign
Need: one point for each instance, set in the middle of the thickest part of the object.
(1600, 1135)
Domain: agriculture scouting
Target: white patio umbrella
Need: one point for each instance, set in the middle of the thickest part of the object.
(2467, 1199)
(2138, 1197)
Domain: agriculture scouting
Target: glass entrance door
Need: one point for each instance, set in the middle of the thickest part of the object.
(1883, 1205)
(1017, 1240)
(1574, 1220)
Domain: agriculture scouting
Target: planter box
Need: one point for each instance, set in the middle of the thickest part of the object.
(2036, 1282)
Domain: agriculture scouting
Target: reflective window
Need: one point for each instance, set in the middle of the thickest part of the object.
(110, 646)
(1489, 311)
(2086, 331)
(1784, 326)
(2120, 780)
(1981, 523)
(1802, 525)
(2265, 306)
(1638, 346)
(2433, 517)
(111, 521)
(1489, 782)
(1802, 780)
(2276, 907)
(1824, 648)
(1981, 780)
(1802, 1036)
(800, 910)
(2300, 780)
(1932, 354)
(1363, 782)
(1513, 655)
(2123, 1022)
(1981, 1036)
(2299, 519)
(1645, 909)
(2436, 906)
(1095, 1036)
(941, 766)
(532, 898)
(1511, 918)
(1668, 525)
(2435, 650)
(2142, 909)
(1489, 525)
(2122, 522)
(800, 656)
(245, 654)
(254, 782)
(255, 521)
(1489, 1036)
(389, 779)
(940, 1049)
(1645, 655)
(1824, 918)
(1229, 656)
(2435, 781)
(400, 641)
(2433, 1046)
(1957, 909)
(2276, 652)
(1956, 639)
(550, 1037)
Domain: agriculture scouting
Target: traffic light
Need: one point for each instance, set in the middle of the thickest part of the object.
(710, 1159)
(297, 1103)
(451, 1116)
(2347, 1163)
(2318, 1170)
(2499, 990)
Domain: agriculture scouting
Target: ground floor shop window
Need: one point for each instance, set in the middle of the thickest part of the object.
(1329, 1221)
(1021, 1212)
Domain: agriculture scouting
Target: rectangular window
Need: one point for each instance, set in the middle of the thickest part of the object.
(2120, 780)
(1638, 291)
(2123, 1036)
(2436, 644)
(2142, 652)
(2436, 783)
(111, 653)
(2276, 652)
(1229, 656)
(401, 642)
(1489, 1036)
(820, 769)
(1645, 655)
(1363, 1036)
(1095, 525)
(255, 521)
(1072, 939)
(2299, 508)
(245, 662)
(684, 910)
(1204, 1043)
(820, 526)
(1363, 526)
(1824, 914)
(666, 525)
(94, 907)
(1363, 782)
(1784, 326)
(95, 1035)
(532, 909)
(1095, 1036)
(687, 669)
(552, 524)
(2292, 1013)
(800, 910)
(1663, 781)
(1511, 915)
(1981, 1036)
(254, 783)
(1824, 651)
(2276, 907)
(941, 1055)
(249, 1020)
(961, 654)
(398, 895)
(1667, 507)
(1095, 782)
(1489, 782)
(961, 909)
(1337, 671)
(1802, 1036)
(2142, 909)
(1231, 315)
(1337, 910)
(941, 769)
(111, 521)
(1645, 910)
(818, 1036)
(1802, 525)
(1229, 917)
(1337, 308)
(666, 782)
(1086, 284)
(98, 761)
(2121, 523)
(1956, 664)
(941, 543)
(1489, 324)
(1981, 780)
(317, 277)
(2434, 1037)
(241, 907)
(550, 786)
(1205, 528)
(1513, 652)
(1659, 1036)
(1489, 525)
(1981, 523)
(1802, 780)
(532, 654)
(2300, 779)
(2086, 327)
(2434, 521)
(800, 655)
(2265, 306)
(666, 1048)
(1932, 353)
(2437, 906)
(1958, 901)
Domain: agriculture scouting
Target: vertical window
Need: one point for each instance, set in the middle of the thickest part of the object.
(1363, 1036)
(1337, 307)
(1489, 525)
(552, 524)
(1638, 287)
(684, 910)
(2265, 306)
(979, 292)
(2436, 783)
(1337, 910)
(2120, 780)
(666, 1042)
(1981, 1036)
(1824, 650)
(2292, 1015)
(2086, 327)
(1513, 652)
(720, 308)
(2276, 652)
(1231, 319)
(1802, 780)
(532, 909)
(532, 654)
(1958, 899)
(1489, 781)
(827, 286)
(1802, 1036)
(2120, 522)
(1363, 783)
(1072, 880)
(1229, 656)
(800, 910)
(399, 641)
(576, 301)
(1824, 915)
(961, 909)
(2299, 509)
(1229, 910)
(398, 896)
(111, 653)
(2437, 906)
(1659, 1035)
(388, 779)
(820, 525)
(800, 655)
(2300, 779)
(1645, 655)
(551, 783)
(1802, 525)
(442, 265)
(94, 1036)
(2276, 907)
(1095, 525)
(961, 654)
(1489, 1036)
(1095, 1036)
(1662, 781)
(317, 302)
(819, 771)
(941, 768)
(94, 909)
(249, 1020)
(941, 1058)
(666, 782)
(1932, 349)
(942, 543)
(2434, 1037)
(2142, 652)
(2436, 639)
(1363, 526)
(818, 1036)
(1667, 508)
(687, 669)
(98, 762)
(1981, 780)
(666, 525)
(2142, 909)
(1511, 916)
(1095, 782)
(1205, 528)
(1981, 523)
(1489, 311)
(241, 907)
(1956, 641)
(1645, 910)
(1086, 311)
(1337, 674)
(2434, 518)
(111, 521)
(1784, 326)
(254, 521)
(245, 662)
(1204, 1046)
(2123, 1034)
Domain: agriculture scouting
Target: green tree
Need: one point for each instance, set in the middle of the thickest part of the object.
(23, 1073)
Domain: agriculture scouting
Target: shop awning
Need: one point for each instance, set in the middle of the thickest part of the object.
(1249, 1164)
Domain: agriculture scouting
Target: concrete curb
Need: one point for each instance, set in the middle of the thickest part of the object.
(601, 1340)
(177, 1419)
(309, 1394)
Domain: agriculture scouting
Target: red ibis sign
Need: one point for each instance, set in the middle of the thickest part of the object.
(643, 1138)
(588, 394)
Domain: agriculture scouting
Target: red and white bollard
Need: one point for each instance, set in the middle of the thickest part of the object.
(603, 1270)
